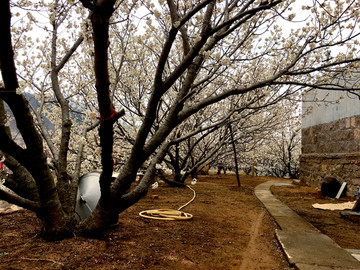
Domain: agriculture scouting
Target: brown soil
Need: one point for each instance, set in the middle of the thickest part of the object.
(344, 231)
(230, 230)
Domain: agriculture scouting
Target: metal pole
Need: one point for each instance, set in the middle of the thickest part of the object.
(235, 156)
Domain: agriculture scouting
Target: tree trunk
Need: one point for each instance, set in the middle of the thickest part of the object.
(56, 225)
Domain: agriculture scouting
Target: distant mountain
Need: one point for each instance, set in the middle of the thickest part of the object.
(76, 114)
(35, 104)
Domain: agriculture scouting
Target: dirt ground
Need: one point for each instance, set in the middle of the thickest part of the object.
(230, 230)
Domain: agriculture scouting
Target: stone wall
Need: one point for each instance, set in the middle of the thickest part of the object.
(332, 149)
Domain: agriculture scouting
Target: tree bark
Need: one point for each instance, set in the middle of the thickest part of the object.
(56, 224)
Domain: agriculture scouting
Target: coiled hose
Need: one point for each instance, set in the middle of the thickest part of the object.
(169, 214)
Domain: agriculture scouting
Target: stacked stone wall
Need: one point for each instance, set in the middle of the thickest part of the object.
(332, 149)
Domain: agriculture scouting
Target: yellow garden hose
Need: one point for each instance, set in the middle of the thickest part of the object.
(169, 214)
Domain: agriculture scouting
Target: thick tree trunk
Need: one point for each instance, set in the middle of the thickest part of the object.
(103, 216)
(21, 181)
(56, 224)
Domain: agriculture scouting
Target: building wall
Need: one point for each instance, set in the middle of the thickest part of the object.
(328, 106)
(331, 142)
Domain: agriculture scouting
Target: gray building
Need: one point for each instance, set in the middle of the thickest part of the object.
(331, 138)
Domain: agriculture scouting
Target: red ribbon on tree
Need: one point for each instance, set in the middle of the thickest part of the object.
(105, 119)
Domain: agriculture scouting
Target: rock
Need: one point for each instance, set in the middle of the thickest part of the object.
(330, 187)
(350, 215)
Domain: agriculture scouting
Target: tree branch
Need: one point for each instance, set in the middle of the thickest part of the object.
(11, 197)
(8, 70)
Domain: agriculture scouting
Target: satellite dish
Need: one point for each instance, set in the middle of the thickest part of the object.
(88, 195)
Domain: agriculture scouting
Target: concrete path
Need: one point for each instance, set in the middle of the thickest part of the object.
(304, 246)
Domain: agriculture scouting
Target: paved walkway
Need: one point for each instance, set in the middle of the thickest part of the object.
(304, 246)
